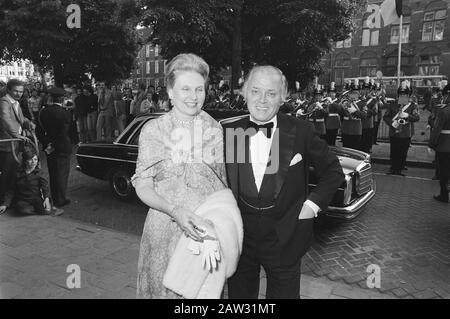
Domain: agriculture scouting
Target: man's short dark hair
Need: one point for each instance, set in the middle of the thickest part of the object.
(13, 83)
(28, 154)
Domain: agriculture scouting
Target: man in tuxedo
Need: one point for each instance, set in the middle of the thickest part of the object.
(12, 124)
(268, 156)
(56, 122)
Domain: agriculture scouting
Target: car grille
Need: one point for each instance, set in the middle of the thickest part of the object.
(365, 179)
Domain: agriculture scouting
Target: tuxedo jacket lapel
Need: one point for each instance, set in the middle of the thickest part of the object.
(233, 154)
(281, 153)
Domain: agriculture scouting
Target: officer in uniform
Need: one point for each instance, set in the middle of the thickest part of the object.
(380, 100)
(335, 112)
(436, 100)
(367, 123)
(55, 121)
(317, 113)
(399, 117)
(351, 122)
(440, 142)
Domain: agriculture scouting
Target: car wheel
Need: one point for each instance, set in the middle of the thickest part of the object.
(120, 183)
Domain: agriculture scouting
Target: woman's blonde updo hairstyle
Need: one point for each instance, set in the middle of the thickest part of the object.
(186, 62)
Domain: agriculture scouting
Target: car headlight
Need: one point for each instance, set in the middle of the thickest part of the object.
(348, 189)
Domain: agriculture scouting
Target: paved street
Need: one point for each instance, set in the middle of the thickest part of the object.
(36, 251)
(403, 231)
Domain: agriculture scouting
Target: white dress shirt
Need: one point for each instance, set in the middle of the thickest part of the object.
(259, 155)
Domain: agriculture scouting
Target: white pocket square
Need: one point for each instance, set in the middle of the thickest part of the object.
(297, 158)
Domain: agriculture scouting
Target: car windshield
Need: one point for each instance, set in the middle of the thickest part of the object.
(123, 138)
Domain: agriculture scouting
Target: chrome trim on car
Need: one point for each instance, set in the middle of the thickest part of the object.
(135, 146)
(106, 158)
(353, 209)
(364, 178)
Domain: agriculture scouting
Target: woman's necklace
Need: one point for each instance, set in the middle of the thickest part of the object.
(183, 122)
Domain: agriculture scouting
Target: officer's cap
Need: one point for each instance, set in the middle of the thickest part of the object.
(402, 90)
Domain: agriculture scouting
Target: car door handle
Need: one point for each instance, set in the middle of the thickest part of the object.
(132, 153)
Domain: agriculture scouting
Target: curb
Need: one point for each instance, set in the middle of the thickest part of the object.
(387, 161)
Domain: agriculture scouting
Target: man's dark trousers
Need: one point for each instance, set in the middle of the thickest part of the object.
(260, 248)
(58, 169)
(398, 150)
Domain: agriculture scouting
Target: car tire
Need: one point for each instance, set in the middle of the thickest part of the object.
(120, 183)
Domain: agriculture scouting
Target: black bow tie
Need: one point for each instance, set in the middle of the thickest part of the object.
(265, 128)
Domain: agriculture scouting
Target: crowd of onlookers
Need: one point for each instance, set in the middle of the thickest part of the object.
(98, 112)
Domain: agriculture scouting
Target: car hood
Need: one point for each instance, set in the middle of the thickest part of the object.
(349, 158)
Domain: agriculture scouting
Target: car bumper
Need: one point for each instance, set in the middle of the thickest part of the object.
(354, 209)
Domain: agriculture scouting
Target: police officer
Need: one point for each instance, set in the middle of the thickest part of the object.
(317, 113)
(55, 122)
(335, 112)
(399, 117)
(440, 142)
(351, 122)
(436, 100)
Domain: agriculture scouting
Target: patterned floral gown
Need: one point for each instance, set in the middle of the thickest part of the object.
(185, 160)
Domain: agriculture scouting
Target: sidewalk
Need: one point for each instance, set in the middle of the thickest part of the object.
(35, 252)
(418, 155)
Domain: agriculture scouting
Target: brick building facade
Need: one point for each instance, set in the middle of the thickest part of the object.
(22, 70)
(150, 65)
(374, 47)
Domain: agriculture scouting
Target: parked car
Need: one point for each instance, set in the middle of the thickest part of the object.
(116, 163)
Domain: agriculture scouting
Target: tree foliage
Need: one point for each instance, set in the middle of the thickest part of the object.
(105, 45)
(292, 35)
(203, 27)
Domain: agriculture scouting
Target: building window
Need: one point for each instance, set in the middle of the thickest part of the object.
(156, 50)
(368, 65)
(370, 37)
(148, 67)
(147, 50)
(395, 33)
(156, 66)
(390, 68)
(347, 43)
(433, 25)
(342, 68)
(156, 83)
(405, 31)
(165, 62)
(429, 64)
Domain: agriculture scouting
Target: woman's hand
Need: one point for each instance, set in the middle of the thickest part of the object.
(188, 222)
